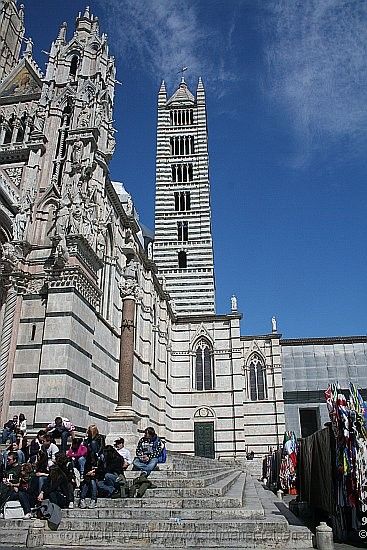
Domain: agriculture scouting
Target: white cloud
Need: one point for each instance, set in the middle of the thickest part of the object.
(317, 55)
(164, 35)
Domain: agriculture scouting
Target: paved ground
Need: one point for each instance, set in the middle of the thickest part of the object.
(337, 547)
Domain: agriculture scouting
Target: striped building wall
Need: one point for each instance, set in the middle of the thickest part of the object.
(191, 285)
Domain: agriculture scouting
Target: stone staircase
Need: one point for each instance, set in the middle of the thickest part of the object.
(197, 503)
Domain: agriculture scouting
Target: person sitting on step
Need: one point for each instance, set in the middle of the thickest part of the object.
(123, 451)
(77, 453)
(10, 475)
(57, 486)
(63, 428)
(10, 430)
(147, 452)
(89, 484)
(14, 448)
(35, 445)
(110, 468)
(50, 448)
(94, 440)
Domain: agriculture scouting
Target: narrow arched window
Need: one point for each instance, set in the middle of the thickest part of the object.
(74, 65)
(204, 375)
(257, 379)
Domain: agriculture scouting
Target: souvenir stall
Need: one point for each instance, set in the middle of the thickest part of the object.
(332, 466)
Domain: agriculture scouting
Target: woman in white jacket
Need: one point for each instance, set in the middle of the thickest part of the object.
(22, 424)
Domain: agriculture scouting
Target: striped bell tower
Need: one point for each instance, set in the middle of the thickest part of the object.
(183, 248)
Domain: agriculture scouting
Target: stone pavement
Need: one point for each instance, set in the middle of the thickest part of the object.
(197, 503)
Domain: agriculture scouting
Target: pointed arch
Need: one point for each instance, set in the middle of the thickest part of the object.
(256, 377)
(203, 365)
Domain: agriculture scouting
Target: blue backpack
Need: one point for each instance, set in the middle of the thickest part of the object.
(163, 456)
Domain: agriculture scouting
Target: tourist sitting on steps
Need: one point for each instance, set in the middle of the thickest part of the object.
(94, 440)
(50, 448)
(147, 452)
(9, 487)
(77, 453)
(41, 471)
(35, 445)
(89, 484)
(13, 448)
(122, 451)
(57, 486)
(109, 469)
(63, 428)
(10, 430)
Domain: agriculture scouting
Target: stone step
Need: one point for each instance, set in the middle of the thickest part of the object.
(163, 513)
(218, 488)
(174, 534)
(181, 472)
(164, 479)
(14, 532)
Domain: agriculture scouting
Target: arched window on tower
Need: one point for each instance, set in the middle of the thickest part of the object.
(74, 65)
(204, 372)
(257, 378)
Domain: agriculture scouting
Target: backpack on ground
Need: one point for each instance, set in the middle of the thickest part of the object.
(13, 510)
(163, 456)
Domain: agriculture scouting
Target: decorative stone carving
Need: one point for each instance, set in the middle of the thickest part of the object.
(35, 286)
(9, 192)
(233, 303)
(128, 284)
(9, 257)
(84, 116)
(73, 277)
(14, 174)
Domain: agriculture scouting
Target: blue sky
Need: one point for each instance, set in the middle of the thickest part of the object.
(286, 88)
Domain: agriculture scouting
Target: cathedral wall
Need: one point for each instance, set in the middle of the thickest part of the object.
(264, 421)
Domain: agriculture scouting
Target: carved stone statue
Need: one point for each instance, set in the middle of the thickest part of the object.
(274, 324)
(77, 155)
(22, 218)
(9, 257)
(84, 116)
(129, 206)
(62, 253)
(39, 120)
(233, 303)
(101, 245)
(131, 270)
(150, 251)
(20, 225)
(63, 218)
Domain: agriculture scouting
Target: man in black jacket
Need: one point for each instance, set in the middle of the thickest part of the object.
(10, 430)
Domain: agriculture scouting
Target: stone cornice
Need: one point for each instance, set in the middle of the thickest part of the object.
(74, 277)
(323, 340)
(270, 336)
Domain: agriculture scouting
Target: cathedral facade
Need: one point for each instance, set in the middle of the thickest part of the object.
(100, 322)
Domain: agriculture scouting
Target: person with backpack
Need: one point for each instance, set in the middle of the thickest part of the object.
(150, 448)
(56, 488)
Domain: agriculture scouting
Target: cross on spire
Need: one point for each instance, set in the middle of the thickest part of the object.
(182, 70)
